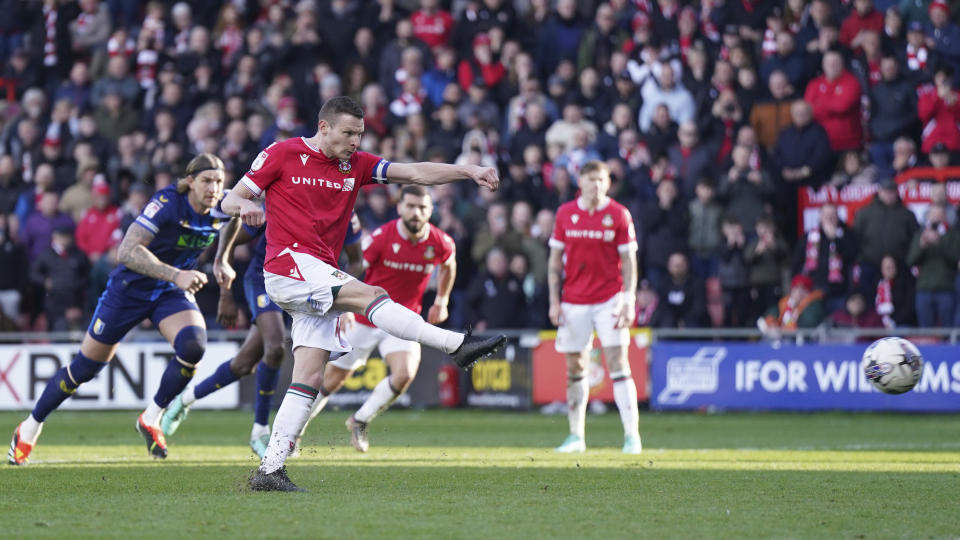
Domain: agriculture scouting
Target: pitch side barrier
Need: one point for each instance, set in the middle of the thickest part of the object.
(692, 369)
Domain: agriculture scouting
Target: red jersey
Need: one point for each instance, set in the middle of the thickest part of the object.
(591, 245)
(309, 199)
(99, 230)
(432, 29)
(401, 266)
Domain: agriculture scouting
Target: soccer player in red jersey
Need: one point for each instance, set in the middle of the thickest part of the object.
(310, 186)
(400, 256)
(593, 257)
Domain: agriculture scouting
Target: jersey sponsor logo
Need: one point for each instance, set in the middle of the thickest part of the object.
(195, 241)
(428, 253)
(607, 221)
(321, 182)
(348, 185)
(257, 163)
(575, 218)
(152, 208)
(98, 326)
(396, 247)
(409, 267)
(344, 166)
(606, 236)
(304, 158)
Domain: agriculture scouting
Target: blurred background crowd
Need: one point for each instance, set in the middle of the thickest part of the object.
(711, 114)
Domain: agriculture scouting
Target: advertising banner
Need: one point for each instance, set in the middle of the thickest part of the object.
(503, 381)
(550, 369)
(128, 381)
(691, 375)
(850, 199)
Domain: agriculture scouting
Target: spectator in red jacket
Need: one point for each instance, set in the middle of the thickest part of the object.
(835, 100)
(862, 17)
(939, 110)
(481, 66)
(431, 24)
(99, 228)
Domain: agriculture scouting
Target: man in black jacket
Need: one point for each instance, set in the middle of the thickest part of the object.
(683, 298)
(893, 112)
(62, 271)
(803, 159)
(885, 226)
(495, 299)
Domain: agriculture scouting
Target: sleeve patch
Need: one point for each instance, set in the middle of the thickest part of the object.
(257, 163)
(151, 209)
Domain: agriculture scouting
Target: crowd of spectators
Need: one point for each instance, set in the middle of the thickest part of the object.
(712, 115)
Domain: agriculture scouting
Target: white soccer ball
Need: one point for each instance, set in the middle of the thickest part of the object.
(893, 365)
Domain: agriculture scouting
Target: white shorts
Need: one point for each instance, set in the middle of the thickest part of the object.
(580, 320)
(367, 338)
(309, 302)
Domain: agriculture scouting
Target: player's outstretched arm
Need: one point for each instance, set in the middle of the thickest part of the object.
(239, 203)
(429, 174)
(133, 254)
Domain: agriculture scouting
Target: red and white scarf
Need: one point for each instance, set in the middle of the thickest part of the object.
(769, 46)
(50, 36)
(916, 58)
(884, 299)
(834, 261)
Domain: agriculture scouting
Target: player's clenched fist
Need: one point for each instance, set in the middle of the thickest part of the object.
(485, 176)
(556, 314)
(190, 280)
(252, 214)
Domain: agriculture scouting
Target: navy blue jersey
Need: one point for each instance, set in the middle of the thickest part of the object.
(180, 236)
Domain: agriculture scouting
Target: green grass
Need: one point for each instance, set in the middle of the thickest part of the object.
(468, 474)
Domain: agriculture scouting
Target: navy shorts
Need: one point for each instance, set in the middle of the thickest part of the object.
(257, 298)
(118, 312)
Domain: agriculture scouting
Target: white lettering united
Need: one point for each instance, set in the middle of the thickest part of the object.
(315, 182)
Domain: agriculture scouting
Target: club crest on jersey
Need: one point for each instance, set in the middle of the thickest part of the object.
(575, 218)
(428, 253)
(344, 166)
(607, 221)
(257, 163)
(304, 158)
(348, 186)
(396, 247)
(152, 209)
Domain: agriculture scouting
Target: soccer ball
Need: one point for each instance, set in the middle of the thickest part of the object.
(893, 365)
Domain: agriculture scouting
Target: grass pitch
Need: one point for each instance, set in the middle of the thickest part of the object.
(469, 474)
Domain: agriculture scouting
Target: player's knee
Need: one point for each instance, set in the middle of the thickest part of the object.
(273, 354)
(400, 381)
(190, 344)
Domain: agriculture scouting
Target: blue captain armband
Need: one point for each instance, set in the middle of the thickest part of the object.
(380, 171)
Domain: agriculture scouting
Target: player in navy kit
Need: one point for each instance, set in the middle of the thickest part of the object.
(262, 350)
(156, 279)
